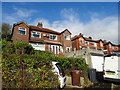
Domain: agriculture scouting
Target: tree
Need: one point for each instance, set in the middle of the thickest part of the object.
(6, 32)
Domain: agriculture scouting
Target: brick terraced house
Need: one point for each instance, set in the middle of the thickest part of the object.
(42, 38)
(80, 42)
(110, 47)
(58, 42)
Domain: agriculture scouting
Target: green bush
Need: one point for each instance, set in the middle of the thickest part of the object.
(16, 47)
(24, 71)
(24, 67)
(68, 64)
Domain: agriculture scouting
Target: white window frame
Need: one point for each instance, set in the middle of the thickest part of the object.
(36, 33)
(113, 47)
(101, 44)
(19, 29)
(67, 37)
(82, 41)
(116, 47)
(110, 45)
(52, 36)
(95, 44)
(86, 42)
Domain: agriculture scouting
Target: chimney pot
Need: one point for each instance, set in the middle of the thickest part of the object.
(40, 25)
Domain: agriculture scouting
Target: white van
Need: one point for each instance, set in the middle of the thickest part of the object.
(58, 71)
(111, 67)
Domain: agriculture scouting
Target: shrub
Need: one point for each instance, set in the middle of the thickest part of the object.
(24, 71)
(16, 47)
(71, 63)
(24, 67)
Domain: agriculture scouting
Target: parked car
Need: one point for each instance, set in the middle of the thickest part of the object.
(57, 70)
(112, 68)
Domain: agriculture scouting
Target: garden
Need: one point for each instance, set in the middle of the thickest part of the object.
(24, 67)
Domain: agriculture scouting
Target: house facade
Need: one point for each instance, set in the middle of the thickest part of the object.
(80, 42)
(110, 48)
(42, 38)
(58, 43)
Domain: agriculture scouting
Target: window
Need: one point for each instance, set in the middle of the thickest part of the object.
(95, 44)
(53, 37)
(101, 44)
(67, 37)
(36, 34)
(110, 46)
(81, 41)
(86, 42)
(116, 47)
(92, 43)
(22, 31)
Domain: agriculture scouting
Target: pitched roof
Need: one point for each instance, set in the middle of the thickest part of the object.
(43, 29)
(87, 39)
(65, 30)
(21, 23)
(106, 43)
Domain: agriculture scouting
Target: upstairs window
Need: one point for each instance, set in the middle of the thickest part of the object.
(92, 43)
(36, 34)
(86, 42)
(110, 46)
(101, 44)
(67, 37)
(95, 44)
(22, 30)
(53, 37)
(113, 47)
(81, 41)
(116, 47)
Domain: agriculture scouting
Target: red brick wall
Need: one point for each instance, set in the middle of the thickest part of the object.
(99, 46)
(18, 37)
(66, 43)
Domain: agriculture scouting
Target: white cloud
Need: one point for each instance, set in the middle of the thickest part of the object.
(20, 14)
(24, 12)
(105, 28)
(98, 28)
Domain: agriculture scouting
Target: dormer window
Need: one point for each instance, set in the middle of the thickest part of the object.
(67, 37)
(36, 34)
(53, 37)
(22, 30)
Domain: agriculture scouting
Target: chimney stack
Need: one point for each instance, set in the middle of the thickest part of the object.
(105, 41)
(80, 34)
(90, 37)
(40, 25)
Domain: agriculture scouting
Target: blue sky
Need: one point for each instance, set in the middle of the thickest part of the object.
(95, 19)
